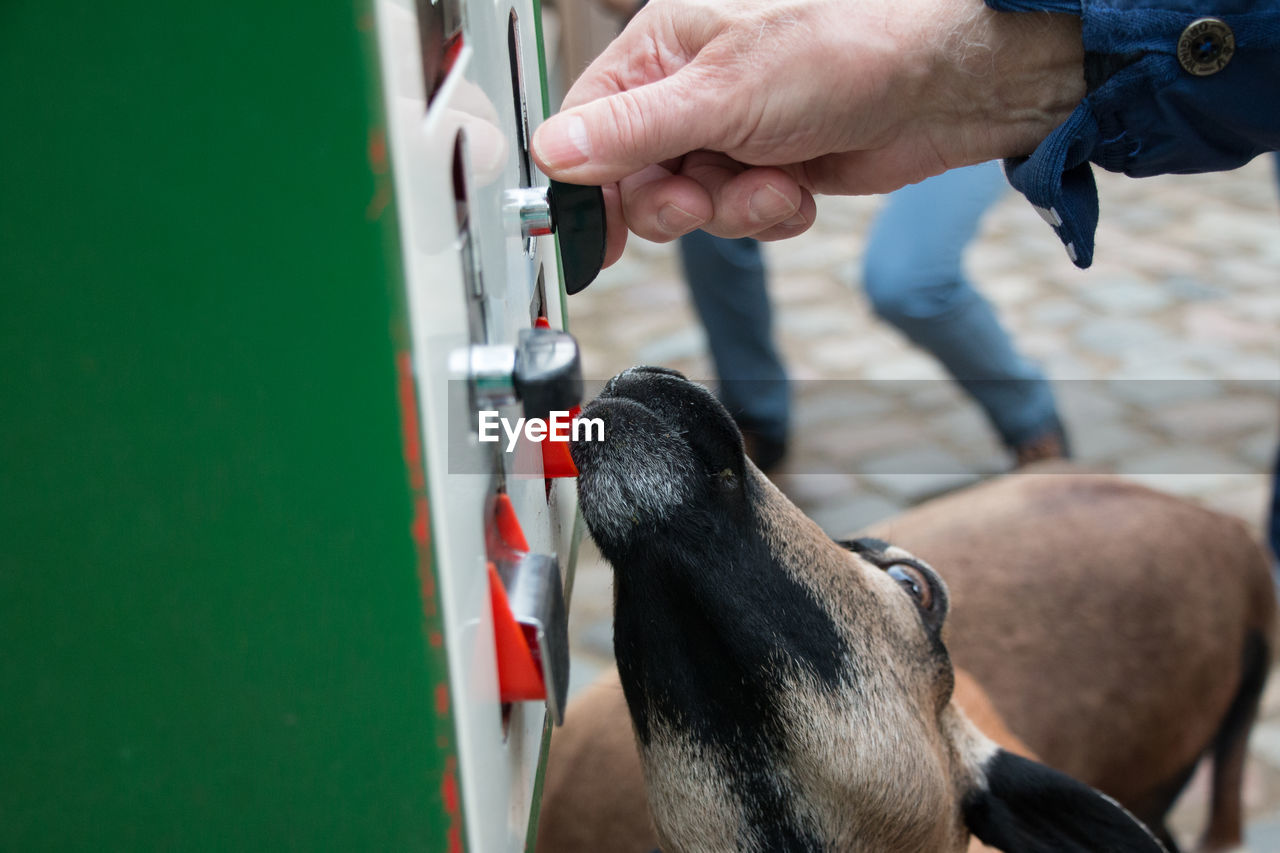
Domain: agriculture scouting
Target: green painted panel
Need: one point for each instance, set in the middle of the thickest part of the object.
(211, 628)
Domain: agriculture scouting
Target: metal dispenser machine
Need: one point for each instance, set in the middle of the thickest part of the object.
(261, 585)
(465, 84)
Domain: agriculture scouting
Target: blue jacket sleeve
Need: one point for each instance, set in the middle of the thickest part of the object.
(1150, 110)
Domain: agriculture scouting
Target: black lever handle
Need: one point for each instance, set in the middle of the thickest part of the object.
(548, 372)
(577, 214)
(543, 371)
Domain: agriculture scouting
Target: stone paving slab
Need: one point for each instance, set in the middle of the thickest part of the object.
(1185, 287)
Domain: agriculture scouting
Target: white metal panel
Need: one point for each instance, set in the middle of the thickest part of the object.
(478, 101)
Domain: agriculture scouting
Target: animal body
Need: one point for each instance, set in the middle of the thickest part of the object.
(787, 692)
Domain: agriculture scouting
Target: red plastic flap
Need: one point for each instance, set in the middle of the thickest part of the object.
(507, 527)
(519, 673)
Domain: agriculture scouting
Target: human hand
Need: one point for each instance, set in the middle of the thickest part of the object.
(729, 117)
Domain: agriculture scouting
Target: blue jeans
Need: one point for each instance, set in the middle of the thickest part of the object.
(727, 281)
(914, 279)
(1273, 521)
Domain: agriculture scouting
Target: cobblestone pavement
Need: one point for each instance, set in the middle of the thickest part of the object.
(1165, 357)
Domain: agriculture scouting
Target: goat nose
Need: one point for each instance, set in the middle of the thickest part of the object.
(660, 371)
(635, 374)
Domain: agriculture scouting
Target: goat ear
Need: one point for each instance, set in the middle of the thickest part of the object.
(1023, 806)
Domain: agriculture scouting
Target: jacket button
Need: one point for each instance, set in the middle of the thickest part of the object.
(1206, 46)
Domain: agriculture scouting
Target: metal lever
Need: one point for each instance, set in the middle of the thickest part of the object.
(536, 596)
(543, 371)
(575, 213)
(531, 208)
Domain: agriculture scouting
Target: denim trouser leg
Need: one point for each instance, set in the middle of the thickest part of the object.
(914, 279)
(1273, 523)
(727, 281)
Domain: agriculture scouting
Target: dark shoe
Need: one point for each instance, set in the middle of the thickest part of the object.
(765, 451)
(1050, 444)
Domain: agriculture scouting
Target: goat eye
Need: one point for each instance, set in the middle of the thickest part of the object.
(913, 581)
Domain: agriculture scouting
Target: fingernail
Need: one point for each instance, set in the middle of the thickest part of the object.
(676, 221)
(562, 143)
(795, 221)
(768, 204)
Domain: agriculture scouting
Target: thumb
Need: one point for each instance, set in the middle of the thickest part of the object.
(605, 140)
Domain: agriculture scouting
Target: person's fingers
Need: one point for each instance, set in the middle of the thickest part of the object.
(616, 136)
(797, 224)
(747, 200)
(615, 230)
(661, 206)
